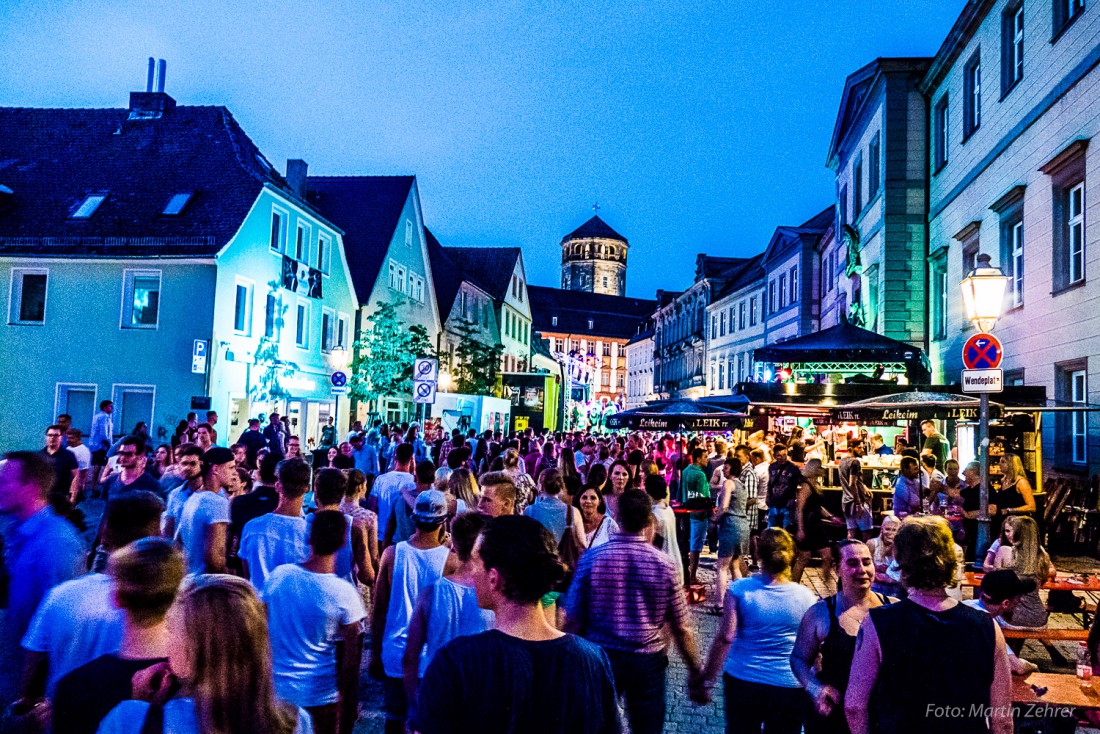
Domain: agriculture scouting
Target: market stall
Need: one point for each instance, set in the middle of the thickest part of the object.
(679, 416)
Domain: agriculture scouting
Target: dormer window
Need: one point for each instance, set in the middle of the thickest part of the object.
(591, 324)
(176, 204)
(553, 320)
(88, 207)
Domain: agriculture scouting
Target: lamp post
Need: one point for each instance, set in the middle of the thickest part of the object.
(983, 291)
(337, 360)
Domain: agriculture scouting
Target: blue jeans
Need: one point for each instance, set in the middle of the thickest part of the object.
(779, 517)
(640, 680)
(698, 534)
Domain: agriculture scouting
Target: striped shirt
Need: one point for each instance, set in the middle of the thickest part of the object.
(624, 595)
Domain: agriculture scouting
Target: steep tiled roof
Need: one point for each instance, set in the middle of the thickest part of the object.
(594, 227)
(367, 208)
(446, 275)
(52, 159)
(489, 267)
(612, 316)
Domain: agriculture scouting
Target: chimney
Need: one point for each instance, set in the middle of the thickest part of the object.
(296, 175)
(150, 105)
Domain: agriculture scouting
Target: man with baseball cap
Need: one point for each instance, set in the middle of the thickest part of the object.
(407, 568)
(204, 521)
(1001, 590)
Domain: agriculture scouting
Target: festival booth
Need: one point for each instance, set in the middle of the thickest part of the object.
(680, 416)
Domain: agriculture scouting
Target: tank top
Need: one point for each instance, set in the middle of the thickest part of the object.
(838, 649)
(453, 613)
(913, 678)
(414, 569)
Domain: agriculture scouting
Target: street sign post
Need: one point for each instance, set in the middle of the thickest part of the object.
(982, 352)
(425, 376)
(198, 357)
(339, 383)
(423, 392)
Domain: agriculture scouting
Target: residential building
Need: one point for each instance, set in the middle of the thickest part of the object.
(680, 329)
(639, 367)
(387, 253)
(1015, 94)
(593, 259)
(877, 152)
(499, 272)
(588, 333)
(791, 282)
(736, 317)
(155, 258)
(468, 311)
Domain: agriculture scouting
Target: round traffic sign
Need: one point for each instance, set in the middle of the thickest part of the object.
(982, 352)
(339, 379)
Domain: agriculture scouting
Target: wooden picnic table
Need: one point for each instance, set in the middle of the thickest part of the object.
(1061, 690)
(1062, 582)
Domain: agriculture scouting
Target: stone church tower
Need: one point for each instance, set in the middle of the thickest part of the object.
(593, 259)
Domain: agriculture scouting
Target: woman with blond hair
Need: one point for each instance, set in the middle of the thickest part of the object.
(463, 487)
(1015, 497)
(219, 660)
(1023, 554)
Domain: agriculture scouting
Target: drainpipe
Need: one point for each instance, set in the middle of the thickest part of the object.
(927, 223)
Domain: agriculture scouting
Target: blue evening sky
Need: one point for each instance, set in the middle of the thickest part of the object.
(698, 126)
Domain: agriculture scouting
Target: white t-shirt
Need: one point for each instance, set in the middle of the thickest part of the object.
(83, 456)
(387, 487)
(177, 498)
(75, 624)
(305, 611)
(202, 510)
(271, 540)
(179, 718)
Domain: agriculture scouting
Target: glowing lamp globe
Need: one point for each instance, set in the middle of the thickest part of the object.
(983, 292)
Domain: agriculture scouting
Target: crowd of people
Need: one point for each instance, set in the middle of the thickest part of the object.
(531, 582)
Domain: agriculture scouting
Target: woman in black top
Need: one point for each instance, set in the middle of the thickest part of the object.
(828, 630)
(928, 663)
(809, 516)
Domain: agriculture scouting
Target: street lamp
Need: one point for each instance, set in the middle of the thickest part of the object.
(983, 291)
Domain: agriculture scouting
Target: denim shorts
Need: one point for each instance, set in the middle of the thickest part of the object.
(860, 520)
(698, 534)
(733, 536)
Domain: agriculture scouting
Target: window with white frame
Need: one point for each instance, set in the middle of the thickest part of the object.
(874, 165)
(794, 284)
(783, 291)
(393, 275)
(272, 316)
(722, 324)
(140, 299)
(278, 230)
(343, 331)
(324, 252)
(972, 91)
(1065, 12)
(553, 320)
(1078, 385)
(301, 242)
(772, 303)
(301, 324)
(752, 311)
(741, 313)
(328, 329)
(242, 307)
(713, 326)
(1012, 46)
(939, 298)
(857, 186)
(939, 131)
(402, 280)
(1016, 261)
(28, 296)
(1075, 232)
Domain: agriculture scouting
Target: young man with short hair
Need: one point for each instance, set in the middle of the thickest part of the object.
(407, 568)
(389, 486)
(498, 494)
(353, 562)
(935, 444)
(146, 578)
(314, 617)
(626, 599)
(1000, 592)
(523, 675)
(280, 536)
(204, 436)
(63, 463)
(132, 477)
(204, 520)
(695, 488)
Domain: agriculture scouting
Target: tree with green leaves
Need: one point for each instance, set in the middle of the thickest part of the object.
(384, 355)
(478, 363)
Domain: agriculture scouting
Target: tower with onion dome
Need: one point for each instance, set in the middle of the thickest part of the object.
(593, 259)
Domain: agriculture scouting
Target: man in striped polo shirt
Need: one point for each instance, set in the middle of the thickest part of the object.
(624, 596)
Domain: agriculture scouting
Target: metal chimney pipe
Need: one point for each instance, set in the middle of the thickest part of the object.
(162, 66)
(149, 78)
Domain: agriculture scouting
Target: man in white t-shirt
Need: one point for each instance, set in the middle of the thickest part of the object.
(189, 468)
(389, 486)
(83, 455)
(78, 620)
(310, 612)
(281, 536)
(204, 521)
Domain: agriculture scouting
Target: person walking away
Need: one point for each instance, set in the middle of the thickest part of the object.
(899, 681)
(79, 620)
(218, 648)
(447, 609)
(760, 619)
(146, 579)
(316, 637)
(389, 487)
(204, 520)
(855, 497)
(407, 568)
(554, 514)
(625, 598)
(828, 633)
(524, 675)
(281, 536)
(810, 515)
(657, 489)
(731, 517)
(253, 440)
(354, 495)
(696, 492)
(262, 499)
(401, 525)
(353, 559)
(42, 550)
(1024, 555)
(275, 435)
